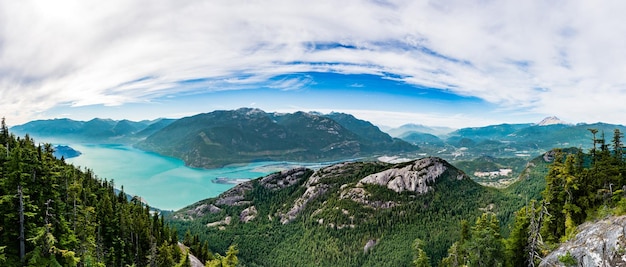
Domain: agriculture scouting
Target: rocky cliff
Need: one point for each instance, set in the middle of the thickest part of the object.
(417, 177)
(600, 243)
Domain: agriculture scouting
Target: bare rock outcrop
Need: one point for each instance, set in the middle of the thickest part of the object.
(417, 177)
(600, 243)
(310, 194)
(225, 221)
(314, 189)
(248, 214)
(369, 245)
(235, 196)
(360, 195)
(283, 179)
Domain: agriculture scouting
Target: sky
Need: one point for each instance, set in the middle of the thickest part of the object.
(439, 63)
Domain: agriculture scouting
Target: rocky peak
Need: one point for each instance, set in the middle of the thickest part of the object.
(550, 121)
(418, 176)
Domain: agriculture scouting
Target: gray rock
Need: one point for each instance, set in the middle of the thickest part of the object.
(369, 245)
(600, 243)
(225, 221)
(283, 179)
(235, 195)
(417, 177)
(314, 189)
(248, 214)
(311, 193)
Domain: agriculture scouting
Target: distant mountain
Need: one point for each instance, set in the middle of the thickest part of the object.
(236, 136)
(511, 140)
(420, 139)
(96, 130)
(348, 214)
(408, 128)
(550, 121)
(499, 131)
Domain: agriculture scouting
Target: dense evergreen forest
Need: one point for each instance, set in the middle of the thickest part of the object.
(335, 231)
(54, 214)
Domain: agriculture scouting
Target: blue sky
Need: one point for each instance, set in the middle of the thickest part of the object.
(440, 63)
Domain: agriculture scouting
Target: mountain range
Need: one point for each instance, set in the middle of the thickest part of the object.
(525, 140)
(93, 131)
(238, 136)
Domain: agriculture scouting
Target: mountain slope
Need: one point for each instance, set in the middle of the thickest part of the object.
(348, 214)
(244, 135)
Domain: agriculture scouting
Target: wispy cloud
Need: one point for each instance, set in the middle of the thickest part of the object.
(553, 57)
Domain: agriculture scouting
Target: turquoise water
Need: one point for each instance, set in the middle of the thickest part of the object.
(164, 182)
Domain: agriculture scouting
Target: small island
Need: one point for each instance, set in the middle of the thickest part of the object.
(65, 152)
(225, 180)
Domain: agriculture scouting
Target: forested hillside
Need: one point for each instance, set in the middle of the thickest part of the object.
(349, 214)
(245, 135)
(54, 214)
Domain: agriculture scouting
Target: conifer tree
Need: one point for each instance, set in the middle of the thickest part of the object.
(420, 259)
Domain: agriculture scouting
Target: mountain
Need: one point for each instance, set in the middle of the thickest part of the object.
(421, 139)
(96, 130)
(347, 214)
(237, 136)
(408, 128)
(550, 121)
(499, 131)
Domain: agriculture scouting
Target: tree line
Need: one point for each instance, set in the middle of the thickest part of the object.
(55, 214)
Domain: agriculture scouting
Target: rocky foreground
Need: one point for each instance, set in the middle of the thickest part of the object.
(600, 243)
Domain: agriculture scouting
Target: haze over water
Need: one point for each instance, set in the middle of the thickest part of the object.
(164, 182)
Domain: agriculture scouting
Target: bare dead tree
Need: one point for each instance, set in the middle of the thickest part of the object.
(535, 241)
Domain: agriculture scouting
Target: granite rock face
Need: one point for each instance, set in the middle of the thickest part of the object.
(248, 214)
(417, 177)
(283, 179)
(600, 243)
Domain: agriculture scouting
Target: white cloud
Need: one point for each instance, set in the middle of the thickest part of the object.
(551, 57)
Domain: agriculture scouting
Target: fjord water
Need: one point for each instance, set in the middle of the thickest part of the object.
(164, 182)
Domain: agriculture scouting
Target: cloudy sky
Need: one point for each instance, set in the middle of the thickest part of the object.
(445, 62)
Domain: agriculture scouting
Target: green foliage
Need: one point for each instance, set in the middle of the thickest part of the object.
(482, 247)
(568, 260)
(3, 257)
(71, 217)
(420, 259)
(230, 260)
(185, 261)
(517, 243)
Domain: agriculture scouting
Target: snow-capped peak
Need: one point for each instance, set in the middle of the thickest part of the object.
(550, 121)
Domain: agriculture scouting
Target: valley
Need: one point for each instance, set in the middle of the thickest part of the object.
(363, 211)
